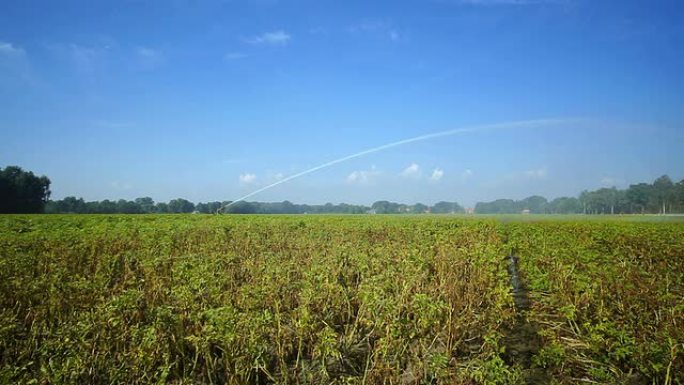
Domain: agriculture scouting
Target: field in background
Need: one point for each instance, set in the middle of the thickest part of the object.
(343, 299)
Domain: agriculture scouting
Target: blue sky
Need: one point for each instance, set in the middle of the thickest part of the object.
(209, 100)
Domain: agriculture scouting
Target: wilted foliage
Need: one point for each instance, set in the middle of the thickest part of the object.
(609, 298)
(318, 299)
(222, 299)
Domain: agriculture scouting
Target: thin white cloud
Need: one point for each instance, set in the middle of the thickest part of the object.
(539, 173)
(15, 65)
(376, 27)
(437, 174)
(89, 61)
(8, 49)
(467, 173)
(149, 58)
(271, 38)
(234, 56)
(318, 31)
(610, 181)
(272, 177)
(247, 178)
(120, 185)
(84, 58)
(362, 176)
(368, 25)
(412, 171)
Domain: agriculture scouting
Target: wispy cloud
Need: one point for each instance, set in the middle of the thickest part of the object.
(117, 185)
(271, 38)
(8, 49)
(362, 176)
(272, 177)
(317, 31)
(539, 173)
(88, 60)
(247, 178)
(234, 56)
(15, 65)
(376, 27)
(437, 174)
(610, 181)
(466, 174)
(148, 58)
(412, 171)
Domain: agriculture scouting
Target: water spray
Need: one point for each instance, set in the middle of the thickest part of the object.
(456, 131)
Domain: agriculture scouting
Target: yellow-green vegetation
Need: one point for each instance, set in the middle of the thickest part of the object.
(334, 299)
(608, 299)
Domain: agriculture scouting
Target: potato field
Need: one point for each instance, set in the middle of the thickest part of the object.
(200, 299)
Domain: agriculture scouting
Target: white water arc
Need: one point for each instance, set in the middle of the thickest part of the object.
(456, 131)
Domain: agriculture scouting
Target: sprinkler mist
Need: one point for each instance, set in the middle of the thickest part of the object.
(457, 131)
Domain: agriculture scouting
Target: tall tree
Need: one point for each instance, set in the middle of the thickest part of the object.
(679, 196)
(565, 205)
(664, 192)
(536, 204)
(638, 197)
(146, 204)
(22, 191)
(419, 208)
(446, 208)
(181, 205)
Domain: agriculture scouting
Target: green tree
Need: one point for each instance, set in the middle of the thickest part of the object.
(381, 207)
(446, 208)
(499, 206)
(241, 207)
(535, 203)
(127, 207)
(664, 193)
(638, 197)
(22, 191)
(565, 205)
(146, 204)
(419, 208)
(181, 205)
(161, 208)
(68, 205)
(679, 196)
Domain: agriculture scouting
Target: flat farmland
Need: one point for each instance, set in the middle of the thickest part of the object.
(198, 299)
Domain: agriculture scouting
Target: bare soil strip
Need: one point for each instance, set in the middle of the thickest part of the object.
(521, 339)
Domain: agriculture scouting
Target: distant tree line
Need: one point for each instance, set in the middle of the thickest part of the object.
(660, 197)
(146, 205)
(23, 192)
(385, 207)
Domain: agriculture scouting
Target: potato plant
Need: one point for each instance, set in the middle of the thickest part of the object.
(609, 299)
(222, 299)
